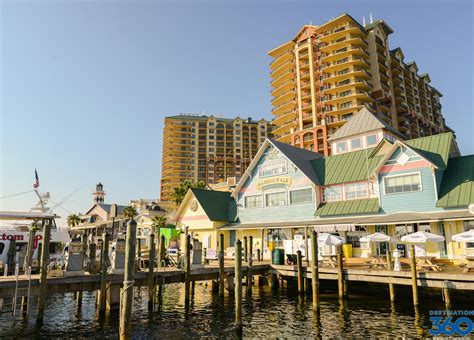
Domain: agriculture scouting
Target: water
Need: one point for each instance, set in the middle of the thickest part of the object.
(266, 313)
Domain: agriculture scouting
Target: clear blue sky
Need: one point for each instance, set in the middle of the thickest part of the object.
(85, 85)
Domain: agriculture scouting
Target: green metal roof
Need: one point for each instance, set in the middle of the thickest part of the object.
(346, 167)
(434, 148)
(457, 186)
(352, 207)
(218, 205)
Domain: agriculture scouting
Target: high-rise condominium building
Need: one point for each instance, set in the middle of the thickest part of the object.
(208, 148)
(327, 73)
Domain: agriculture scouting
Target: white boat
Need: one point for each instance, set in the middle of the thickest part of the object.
(14, 239)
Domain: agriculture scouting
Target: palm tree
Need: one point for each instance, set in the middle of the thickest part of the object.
(130, 212)
(181, 190)
(73, 220)
(158, 222)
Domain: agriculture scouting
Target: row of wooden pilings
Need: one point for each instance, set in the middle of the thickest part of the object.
(126, 293)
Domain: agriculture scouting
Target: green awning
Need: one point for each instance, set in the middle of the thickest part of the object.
(352, 207)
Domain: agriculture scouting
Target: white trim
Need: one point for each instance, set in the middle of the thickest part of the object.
(297, 189)
(253, 195)
(274, 192)
(401, 175)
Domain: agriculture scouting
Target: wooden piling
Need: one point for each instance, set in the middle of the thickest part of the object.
(43, 269)
(128, 281)
(30, 248)
(315, 269)
(238, 286)
(340, 279)
(103, 273)
(245, 249)
(187, 274)
(391, 286)
(221, 266)
(250, 263)
(414, 275)
(261, 244)
(299, 262)
(151, 270)
(162, 248)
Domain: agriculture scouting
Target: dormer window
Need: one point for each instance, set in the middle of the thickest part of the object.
(356, 143)
(341, 147)
(371, 140)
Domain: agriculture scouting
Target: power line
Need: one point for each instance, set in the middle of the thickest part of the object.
(60, 206)
(20, 193)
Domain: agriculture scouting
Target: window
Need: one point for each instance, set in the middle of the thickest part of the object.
(301, 196)
(345, 93)
(331, 194)
(273, 168)
(341, 147)
(254, 201)
(404, 183)
(468, 225)
(371, 140)
(356, 190)
(276, 199)
(356, 143)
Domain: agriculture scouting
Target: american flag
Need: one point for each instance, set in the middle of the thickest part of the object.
(36, 184)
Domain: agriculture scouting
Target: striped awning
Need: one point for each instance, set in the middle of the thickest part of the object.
(332, 228)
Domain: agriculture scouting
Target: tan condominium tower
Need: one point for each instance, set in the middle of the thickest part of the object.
(208, 149)
(327, 73)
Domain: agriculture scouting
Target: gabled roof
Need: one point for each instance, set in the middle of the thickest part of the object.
(386, 28)
(457, 185)
(300, 157)
(362, 122)
(434, 148)
(216, 204)
(351, 207)
(346, 167)
(106, 208)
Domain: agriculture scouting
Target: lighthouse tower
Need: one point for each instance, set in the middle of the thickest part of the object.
(99, 193)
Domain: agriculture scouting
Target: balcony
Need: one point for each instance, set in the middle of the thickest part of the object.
(283, 59)
(346, 62)
(340, 32)
(283, 107)
(284, 116)
(341, 42)
(277, 73)
(359, 83)
(288, 76)
(288, 86)
(349, 51)
(283, 98)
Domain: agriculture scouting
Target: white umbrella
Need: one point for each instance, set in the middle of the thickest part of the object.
(422, 237)
(329, 239)
(467, 236)
(376, 237)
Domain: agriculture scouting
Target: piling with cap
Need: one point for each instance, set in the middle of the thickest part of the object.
(103, 273)
(340, 268)
(238, 285)
(391, 286)
(315, 269)
(221, 266)
(151, 270)
(299, 262)
(250, 263)
(187, 274)
(43, 269)
(128, 281)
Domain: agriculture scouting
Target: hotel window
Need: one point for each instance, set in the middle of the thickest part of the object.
(254, 201)
(371, 140)
(341, 147)
(301, 196)
(276, 199)
(331, 194)
(404, 183)
(356, 143)
(356, 190)
(469, 225)
(272, 169)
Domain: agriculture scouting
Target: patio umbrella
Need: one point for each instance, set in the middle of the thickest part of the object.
(467, 236)
(422, 237)
(329, 239)
(376, 237)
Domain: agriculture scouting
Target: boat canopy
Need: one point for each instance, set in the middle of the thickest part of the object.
(30, 215)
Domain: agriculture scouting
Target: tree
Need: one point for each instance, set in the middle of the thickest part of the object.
(130, 211)
(158, 222)
(73, 220)
(181, 190)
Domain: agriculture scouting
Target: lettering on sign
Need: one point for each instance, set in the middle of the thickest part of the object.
(273, 180)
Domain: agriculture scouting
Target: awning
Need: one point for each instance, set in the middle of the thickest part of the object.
(415, 217)
(332, 228)
(269, 225)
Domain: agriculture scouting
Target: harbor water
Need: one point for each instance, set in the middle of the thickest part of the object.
(266, 314)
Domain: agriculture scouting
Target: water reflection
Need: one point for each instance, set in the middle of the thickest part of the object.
(267, 313)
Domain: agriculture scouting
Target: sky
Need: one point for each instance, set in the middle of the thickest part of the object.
(85, 85)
